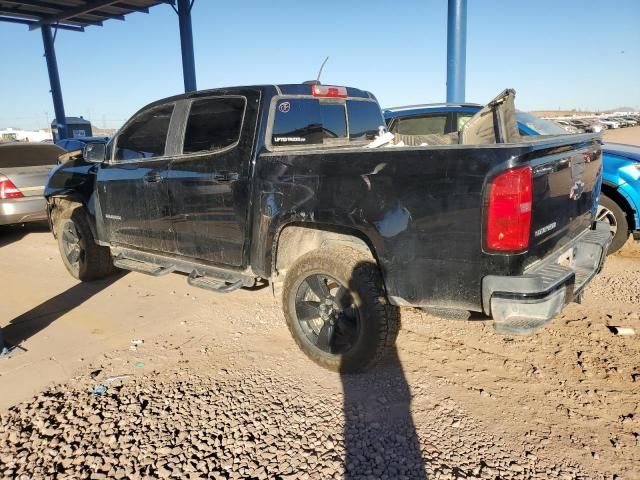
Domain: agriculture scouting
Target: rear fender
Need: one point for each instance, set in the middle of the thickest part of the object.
(293, 240)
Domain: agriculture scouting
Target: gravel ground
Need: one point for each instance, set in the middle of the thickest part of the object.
(254, 424)
(234, 398)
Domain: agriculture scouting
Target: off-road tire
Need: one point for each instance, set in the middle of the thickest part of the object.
(622, 234)
(379, 321)
(95, 261)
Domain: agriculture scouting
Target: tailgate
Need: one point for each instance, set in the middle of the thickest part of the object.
(566, 188)
(29, 180)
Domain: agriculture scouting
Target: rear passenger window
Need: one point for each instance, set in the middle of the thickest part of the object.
(213, 124)
(422, 125)
(146, 136)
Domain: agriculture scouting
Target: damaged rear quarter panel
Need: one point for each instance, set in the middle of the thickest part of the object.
(420, 210)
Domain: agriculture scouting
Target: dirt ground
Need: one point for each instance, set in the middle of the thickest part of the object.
(218, 389)
(630, 135)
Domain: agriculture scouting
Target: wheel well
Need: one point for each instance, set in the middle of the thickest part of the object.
(617, 197)
(59, 204)
(295, 240)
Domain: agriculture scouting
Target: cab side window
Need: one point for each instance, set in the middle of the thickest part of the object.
(213, 124)
(146, 136)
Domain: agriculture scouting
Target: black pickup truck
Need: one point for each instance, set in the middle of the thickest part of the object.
(238, 187)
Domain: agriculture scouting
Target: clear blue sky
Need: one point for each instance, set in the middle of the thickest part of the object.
(581, 54)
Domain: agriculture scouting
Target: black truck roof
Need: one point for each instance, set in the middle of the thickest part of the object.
(275, 89)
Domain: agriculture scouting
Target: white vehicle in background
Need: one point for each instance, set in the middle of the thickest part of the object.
(609, 123)
(594, 125)
(567, 126)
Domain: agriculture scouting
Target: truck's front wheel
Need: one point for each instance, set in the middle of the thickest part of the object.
(337, 311)
(83, 258)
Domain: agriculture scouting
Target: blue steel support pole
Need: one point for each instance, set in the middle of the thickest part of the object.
(456, 50)
(186, 44)
(54, 81)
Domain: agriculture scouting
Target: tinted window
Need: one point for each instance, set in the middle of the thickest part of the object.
(302, 121)
(145, 136)
(297, 122)
(309, 121)
(364, 119)
(334, 123)
(422, 125)
(29, 155)
(213, 123)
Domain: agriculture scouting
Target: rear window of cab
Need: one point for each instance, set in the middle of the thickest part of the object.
(313, 121)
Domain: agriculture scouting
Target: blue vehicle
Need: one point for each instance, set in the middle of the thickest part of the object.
(620, 198)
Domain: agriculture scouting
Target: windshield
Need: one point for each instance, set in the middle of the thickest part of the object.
(539, 125)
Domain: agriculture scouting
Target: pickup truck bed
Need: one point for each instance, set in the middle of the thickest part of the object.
(343, 232)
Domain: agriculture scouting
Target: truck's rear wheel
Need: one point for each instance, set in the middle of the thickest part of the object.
(83, 258)
(337, 311)
(610, 212)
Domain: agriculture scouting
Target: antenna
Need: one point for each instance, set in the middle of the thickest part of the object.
(321, 67)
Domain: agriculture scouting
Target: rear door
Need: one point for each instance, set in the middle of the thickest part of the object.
(209, 179)
(132, 186)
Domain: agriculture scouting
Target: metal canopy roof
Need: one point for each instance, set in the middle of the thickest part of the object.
(71, 14)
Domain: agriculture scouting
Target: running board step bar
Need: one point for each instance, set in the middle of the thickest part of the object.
(142, 267)
(201, 280)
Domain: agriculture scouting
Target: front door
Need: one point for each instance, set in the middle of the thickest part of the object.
(133, 195)
(209, 180)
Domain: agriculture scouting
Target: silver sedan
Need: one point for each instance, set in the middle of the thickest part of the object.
(24, 168)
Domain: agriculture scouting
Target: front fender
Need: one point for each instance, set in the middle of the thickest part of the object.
(72, 182)
(631, 194)
(623, 174)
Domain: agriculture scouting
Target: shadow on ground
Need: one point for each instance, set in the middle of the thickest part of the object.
(28, 324)
(14, 233)
(379, 433)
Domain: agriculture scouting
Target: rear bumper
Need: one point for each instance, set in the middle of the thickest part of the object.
(22, 210)
(522, 304)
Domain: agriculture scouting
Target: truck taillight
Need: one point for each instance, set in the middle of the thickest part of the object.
(328, 91)
(8, 189)
(509, 211)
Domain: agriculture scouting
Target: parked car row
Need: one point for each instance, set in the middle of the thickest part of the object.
(597, 124)
(620, 198)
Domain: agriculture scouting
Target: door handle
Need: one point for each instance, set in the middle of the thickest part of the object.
(152, 177)
(225, 177)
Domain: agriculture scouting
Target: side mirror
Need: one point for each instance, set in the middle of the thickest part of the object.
(94, 152)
